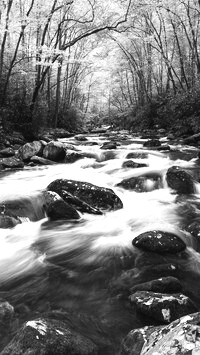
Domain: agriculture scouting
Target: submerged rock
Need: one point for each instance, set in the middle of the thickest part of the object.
(162, 307)
(144, 183)
(133, 164)
(163, 285)
(54, 151)
(8, 222)
(49, 337)
(137, 155)
(180, 181)
(182, 337)
(98, 197)
(159, 242)
(152, 143)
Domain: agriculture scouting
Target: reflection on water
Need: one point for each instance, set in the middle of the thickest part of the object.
(68, 267)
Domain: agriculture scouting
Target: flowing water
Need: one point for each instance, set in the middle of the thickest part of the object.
(76, 270)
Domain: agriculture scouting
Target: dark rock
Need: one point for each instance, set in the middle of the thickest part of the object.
(78, 204)
(194, 139)
(54, 133)
(194, 229)
(164, 148)
(181, 337)
(152, 143)
(54, 151)
(143, 183)
(135, 155)
(49, 337)
(8, 222)
(97, 197)
(108, 155)
(80, 138)
(133, 164)
(163, 308)
(159, 242)
(41, 161)
(28, 150)
(170, 136)
(109, 145)
(50, 197)
(168, 284)
(72, 156)
(137, 338)
(7, 152)
(99, 130)
(59, 209)
(6, 312)
(12, 163)
(90, 143)
(180, 181)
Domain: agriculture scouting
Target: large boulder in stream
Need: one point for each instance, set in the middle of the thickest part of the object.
(159, 242)
(28, 150)
(54, 151)
(181, 337)
(137, 155)
(98, 197)
(143, 183)
(180, 180)
(49, 337)
(164, 308)
(56, 208)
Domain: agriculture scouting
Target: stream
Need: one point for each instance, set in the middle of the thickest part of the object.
(72, 270)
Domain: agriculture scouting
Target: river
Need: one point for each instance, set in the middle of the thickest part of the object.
(69, 268)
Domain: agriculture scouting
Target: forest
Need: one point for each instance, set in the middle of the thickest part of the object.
(79, 64)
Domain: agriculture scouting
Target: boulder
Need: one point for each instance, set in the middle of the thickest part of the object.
(133, 164)
(162, 307)
(134, 342)
(78, 204)
(49, 337)
(143, 183)
(105, 156)
(168, 284)
(54, 151)
(164, 147)
(152, 143)
(31, 208)
(80, 138)
(6, 312)
(109, 145)
(12, 163)
(181, 337)
(8, 222)
(159, 242)
(180, 181)
(7, 152)
(137, 155)
(59, 209)
(28, 150)
(41, 161)
(98, 197)
(72, 157)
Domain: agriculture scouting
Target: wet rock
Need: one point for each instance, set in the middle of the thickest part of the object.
(164, 148)
(19, 208)
(133, 164)
(7, 152)
(194, 139)
(182, 337)
(49, 337)
(97, 197)
(144, 183)
(41, 161)
(54, 151)
(28, 150)
(162, 307)
(108, 155)
(168, 284)
(80, 138)
(59, 209)
(109, 145)
(72, 156)
(78, 204)
(137, 155)
(50, 197)
(152, 143)
(194, 229)
(12, 163)
(159, 242)
(135, 340)
(8, 222)
(180, 181)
